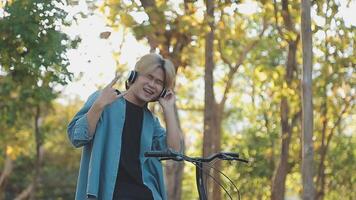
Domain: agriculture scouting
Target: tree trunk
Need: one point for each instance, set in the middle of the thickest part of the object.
(30, 191)
(174, 175)
(307, 104)
(38, 139)
(320, 181)
(211, 140)
(326, 139)
(25, 194)
(6, 171)
(278, 183)
(217, 165)
(173, 170)
(279, 178)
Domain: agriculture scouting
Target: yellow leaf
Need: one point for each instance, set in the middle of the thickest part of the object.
(127, 20)
(12, 152)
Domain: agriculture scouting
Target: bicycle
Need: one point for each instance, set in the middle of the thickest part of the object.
(198, 162)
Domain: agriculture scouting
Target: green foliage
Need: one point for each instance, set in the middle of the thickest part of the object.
(32, 55)
(334, 100)
(32, 64)
(340, 180)
(61, 160)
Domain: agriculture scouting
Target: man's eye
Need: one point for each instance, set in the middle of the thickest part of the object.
(149, 76)
(159, 82)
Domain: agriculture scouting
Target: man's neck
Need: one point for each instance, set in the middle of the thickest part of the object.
(132, 99)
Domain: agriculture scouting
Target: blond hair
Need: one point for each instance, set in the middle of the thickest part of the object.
(151, 61)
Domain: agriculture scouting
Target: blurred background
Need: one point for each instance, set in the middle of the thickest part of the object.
(239, 70)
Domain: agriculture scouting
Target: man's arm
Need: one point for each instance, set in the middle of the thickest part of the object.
(93, 116)
(174, 135)
(107, 96)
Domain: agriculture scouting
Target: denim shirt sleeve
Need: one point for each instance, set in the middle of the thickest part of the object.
(159, 141)
(78, 128)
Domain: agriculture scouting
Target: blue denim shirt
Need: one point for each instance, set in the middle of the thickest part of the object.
(101, 153)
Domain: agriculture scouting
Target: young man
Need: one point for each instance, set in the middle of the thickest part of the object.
(116, 129)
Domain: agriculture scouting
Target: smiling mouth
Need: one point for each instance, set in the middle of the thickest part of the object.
(148, 91)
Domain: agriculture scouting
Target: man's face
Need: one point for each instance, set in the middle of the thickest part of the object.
(148, 86)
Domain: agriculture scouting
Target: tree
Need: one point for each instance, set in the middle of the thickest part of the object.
(165, 30)
(211, 140)
(249, 84)
(290, 35)
(307, 103)
(32, 64)
(229, 42)
(334, 97)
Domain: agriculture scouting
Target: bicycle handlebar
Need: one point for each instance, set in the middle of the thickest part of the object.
(169, 155)
(160, 154)
(198, 162)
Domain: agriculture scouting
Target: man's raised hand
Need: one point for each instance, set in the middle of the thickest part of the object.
(109, 94)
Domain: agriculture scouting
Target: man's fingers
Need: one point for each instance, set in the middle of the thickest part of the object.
(168, 93)
(114, 80)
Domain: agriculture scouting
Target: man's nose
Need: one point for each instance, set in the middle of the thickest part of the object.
(152, 83)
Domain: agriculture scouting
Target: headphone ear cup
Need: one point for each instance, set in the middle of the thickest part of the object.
(163, 93)
(131, 79)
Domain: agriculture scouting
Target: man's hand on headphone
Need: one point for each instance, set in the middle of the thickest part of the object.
(168, 100)
(109, 94)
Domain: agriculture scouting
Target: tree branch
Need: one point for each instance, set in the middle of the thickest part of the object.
(347, 105)
(286, 16)
(276, 18)
(8, 167)
(238, 63)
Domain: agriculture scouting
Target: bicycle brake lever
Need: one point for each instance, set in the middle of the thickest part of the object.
(178, 158)
(226, 157)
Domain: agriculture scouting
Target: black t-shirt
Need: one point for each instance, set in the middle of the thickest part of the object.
(129, 184)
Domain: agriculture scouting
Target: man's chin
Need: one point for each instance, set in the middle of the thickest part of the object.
(147, 98)
(152, 99)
